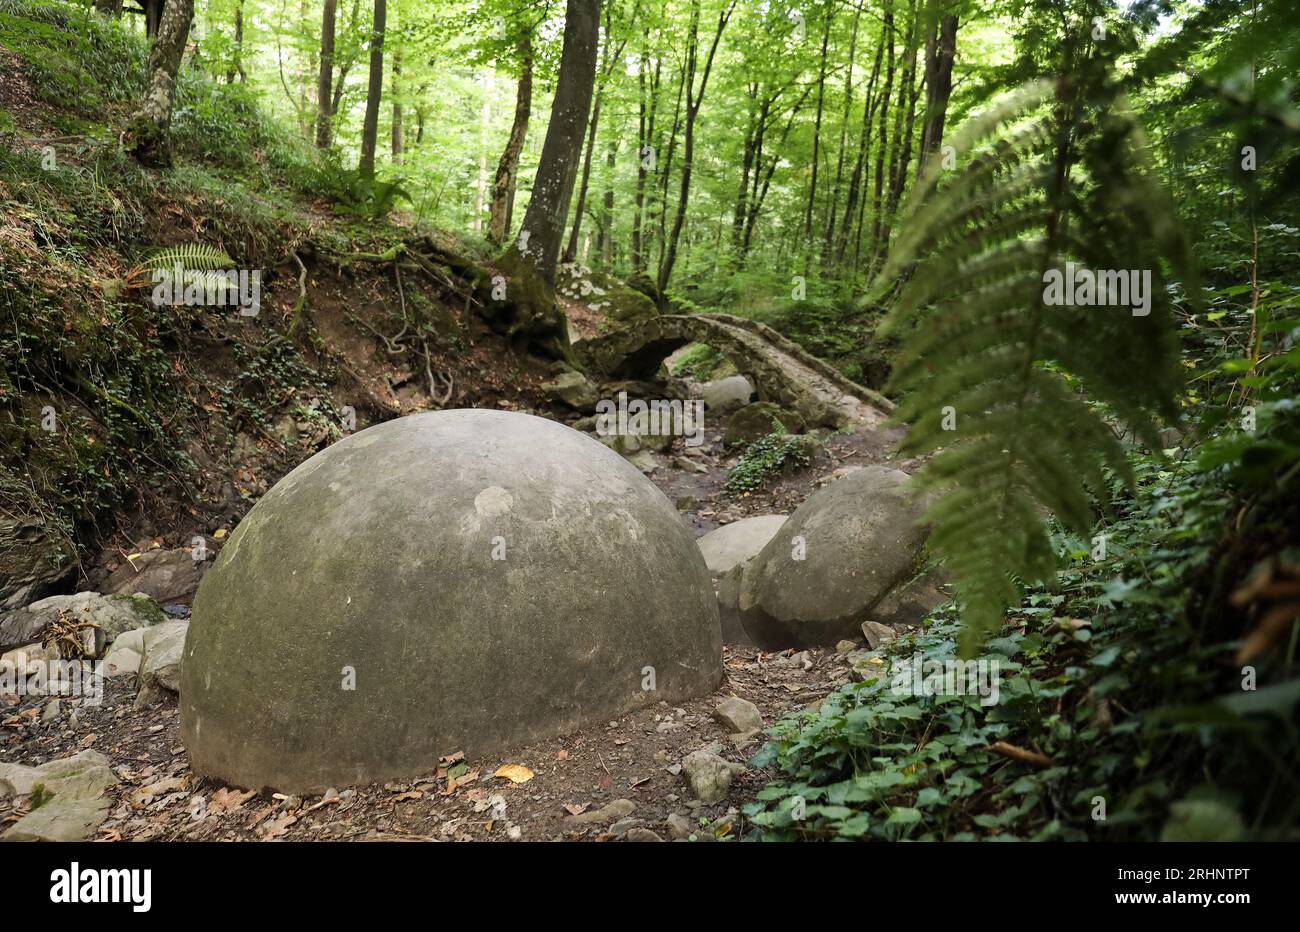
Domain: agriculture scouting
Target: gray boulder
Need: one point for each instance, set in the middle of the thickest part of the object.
(111, 615)
(34, 557)
(163, 575)
(758, 420)
(163, 653)
(836, 558)
(72, 794)
(723, 396)
(739, 715)
(125, 655)
(738, 542)
(728, 590)
(908, 604)
(573, 389)
(727, 550)
(451, 581)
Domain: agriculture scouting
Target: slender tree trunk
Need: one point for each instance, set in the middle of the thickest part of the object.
(693, 102)
(503, 188)
(645, 155)
(607, 207)
(759, 195)
(398, 141)
(153, 13)
(665, 171)
(548, 207)
(344, 67)
(755, 114)
(484, 132)
(829, 244)
(857, 180)
(374, 93)
(941, 49)
(324, 113)
(817, 139)
(149, 129)
(111, 8)
(883, 142)
(571, 250)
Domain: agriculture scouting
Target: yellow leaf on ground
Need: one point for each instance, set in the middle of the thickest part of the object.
(515, 773)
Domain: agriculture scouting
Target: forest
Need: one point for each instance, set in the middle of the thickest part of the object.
(604, 420)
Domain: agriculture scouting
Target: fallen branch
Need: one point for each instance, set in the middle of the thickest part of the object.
(1020, 754)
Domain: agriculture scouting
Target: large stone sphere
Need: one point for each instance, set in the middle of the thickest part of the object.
(454, 581)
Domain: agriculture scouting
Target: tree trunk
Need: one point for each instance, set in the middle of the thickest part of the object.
(484, 132)
(503, 188)
(829, 244)
(941, 49)
(693, 102)
(370, 128)
(111, 8)
(883, 143)
(397, 107)
(548, 206)
(645, 133)
(147, 134)
(324, 112)
(665, 169)
(571, 251)
(153, 12)
(607, 207)
(817, 140)
(753, 122)
(858, 181)
(238, 55)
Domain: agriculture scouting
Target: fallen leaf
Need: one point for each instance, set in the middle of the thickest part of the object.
(562, 754)
(515, 773)
(575, 808)
(228, 800)
(277, 827)
(453, 782)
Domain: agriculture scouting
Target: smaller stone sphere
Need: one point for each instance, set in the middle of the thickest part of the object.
(467, 580)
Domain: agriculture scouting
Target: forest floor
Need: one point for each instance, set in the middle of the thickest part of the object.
(613, 780)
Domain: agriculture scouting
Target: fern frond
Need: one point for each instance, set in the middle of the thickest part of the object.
(1013, 397)
(191, 256)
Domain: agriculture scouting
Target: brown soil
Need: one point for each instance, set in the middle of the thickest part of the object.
(633, 758)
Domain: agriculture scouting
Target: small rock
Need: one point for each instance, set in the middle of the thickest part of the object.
(678, 825)
(52, 709)
(843, 647)
(618, 809)
(163, 575)
(739, 715)
(877, 634)
(574, 389)
(75, 806)
(642, 834)
(709, 776)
